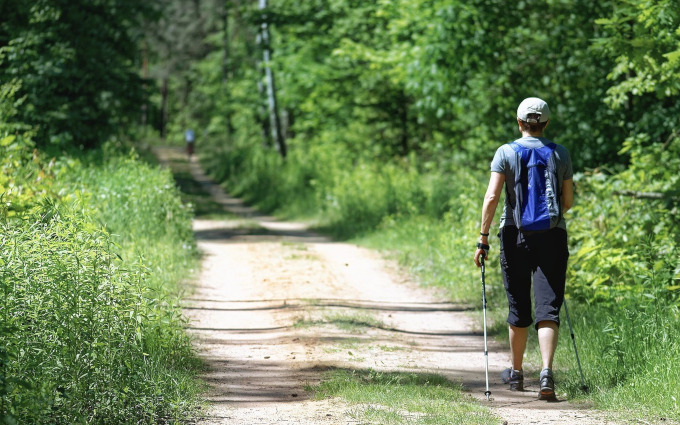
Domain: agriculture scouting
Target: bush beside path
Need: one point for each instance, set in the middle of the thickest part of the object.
(93, 248)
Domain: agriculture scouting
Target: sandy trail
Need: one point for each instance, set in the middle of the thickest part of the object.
(261, 277)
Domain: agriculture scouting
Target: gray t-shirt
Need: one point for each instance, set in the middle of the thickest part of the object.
(503, 164)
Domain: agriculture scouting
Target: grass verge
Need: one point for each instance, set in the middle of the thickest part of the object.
(192, 193)
(392, 398)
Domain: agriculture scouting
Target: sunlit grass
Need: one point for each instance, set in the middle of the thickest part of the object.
(630, 369)
(391, 348)
(403, 398)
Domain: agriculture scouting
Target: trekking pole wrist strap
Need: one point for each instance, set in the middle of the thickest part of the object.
(483, 246)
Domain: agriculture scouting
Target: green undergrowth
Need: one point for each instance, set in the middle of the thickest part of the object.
(91, 263)
(627, 359)
(393, 398)
(348, 196)
(192, 192)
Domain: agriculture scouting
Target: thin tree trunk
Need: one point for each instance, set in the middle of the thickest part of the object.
(404, 127)
(225, 70)
(164, 107)
(145, 75)
(262, 113)
(275, 121)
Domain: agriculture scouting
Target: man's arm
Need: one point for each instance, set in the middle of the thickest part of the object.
(491, 198)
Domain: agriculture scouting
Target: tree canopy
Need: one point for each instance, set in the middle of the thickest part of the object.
(431, 77)
(76, 64)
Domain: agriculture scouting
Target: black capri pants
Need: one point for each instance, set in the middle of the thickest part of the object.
(543, 256)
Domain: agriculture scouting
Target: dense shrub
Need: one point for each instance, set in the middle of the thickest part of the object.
(91, 327)
(626, 229)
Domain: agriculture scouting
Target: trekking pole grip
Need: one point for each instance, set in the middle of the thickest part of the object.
(485, 251)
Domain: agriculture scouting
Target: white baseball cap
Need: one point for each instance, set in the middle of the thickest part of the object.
(532, 106)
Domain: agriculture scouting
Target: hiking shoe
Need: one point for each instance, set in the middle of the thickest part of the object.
(513, 377)
(547, 391)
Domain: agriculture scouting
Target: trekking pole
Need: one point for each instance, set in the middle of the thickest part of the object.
(584, 387)
(487, 393)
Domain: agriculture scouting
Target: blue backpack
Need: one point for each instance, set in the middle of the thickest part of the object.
(537, 195)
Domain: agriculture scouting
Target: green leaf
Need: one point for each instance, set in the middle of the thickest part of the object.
(6, 141)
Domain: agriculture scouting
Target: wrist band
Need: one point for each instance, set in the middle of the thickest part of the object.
(483, 234)
(483, 246)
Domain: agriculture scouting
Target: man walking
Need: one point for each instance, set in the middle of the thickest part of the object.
(537, 175)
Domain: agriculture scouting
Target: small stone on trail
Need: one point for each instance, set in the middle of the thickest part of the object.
(294, 395)
(266, 357)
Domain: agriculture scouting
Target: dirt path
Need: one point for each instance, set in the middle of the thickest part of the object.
(260, 277)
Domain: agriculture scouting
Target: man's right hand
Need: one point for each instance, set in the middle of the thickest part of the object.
(481, 254)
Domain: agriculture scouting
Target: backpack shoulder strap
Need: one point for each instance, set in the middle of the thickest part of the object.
(554, 183)
(517, 164)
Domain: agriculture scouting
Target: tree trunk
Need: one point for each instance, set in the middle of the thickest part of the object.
(164, 107)
(275, 122)
(403, 112)
(145, 75)
(225, 70)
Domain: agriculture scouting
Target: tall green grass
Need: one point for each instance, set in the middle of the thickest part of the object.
(91, 326)
(349, 195)
(628, 359)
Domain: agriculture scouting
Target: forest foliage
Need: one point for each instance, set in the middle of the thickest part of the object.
(393, 109)
(389, 108)
(75, 67)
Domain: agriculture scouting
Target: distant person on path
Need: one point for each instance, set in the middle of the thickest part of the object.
(531, 244)
(190, 138)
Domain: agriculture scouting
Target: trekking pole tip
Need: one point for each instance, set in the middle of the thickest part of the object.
(488, 395)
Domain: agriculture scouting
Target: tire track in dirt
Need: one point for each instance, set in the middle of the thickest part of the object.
(261, 277)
